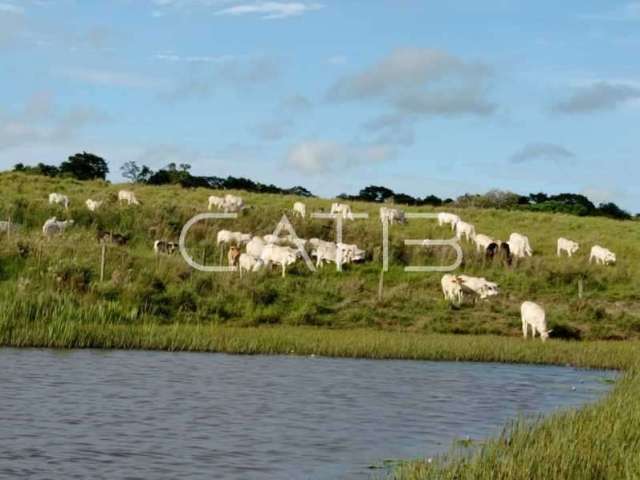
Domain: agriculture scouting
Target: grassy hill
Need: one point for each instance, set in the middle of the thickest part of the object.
(44, 281)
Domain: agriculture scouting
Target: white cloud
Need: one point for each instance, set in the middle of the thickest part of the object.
(317, 156)
(598, 96)
(110, 78)
(624, 13)
(542, 151)
(41, 122)
(420, 81)
(11, 9)
(271, 10)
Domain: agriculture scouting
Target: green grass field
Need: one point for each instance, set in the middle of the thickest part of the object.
(51, 296)
(63, 275)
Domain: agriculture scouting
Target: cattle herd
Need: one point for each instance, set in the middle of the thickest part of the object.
(271, 250)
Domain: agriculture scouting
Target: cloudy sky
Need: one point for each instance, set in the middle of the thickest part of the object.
(422, 96)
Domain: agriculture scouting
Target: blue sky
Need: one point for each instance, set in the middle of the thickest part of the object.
(424, 97)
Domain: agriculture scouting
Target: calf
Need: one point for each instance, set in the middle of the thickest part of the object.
(217, 202)
(533, 315)
(392, 215)
(602, 255)
(59, 199)
(478, 286)
(300, 209)
(275, 254)
(465, 229)
(519, 245)
(448, 219)
(565, 245)
(248, 263)
(93, 205)
(482, 242)
(128, 196)
(53, 226)
(233, 256)
(452, 288)
(164, 246)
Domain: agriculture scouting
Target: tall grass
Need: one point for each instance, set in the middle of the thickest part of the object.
(140, 287)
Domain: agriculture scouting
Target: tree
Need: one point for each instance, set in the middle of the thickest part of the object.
(85, 166)
(374, 193)
(432, 200)
(613, 211)
(130, 170)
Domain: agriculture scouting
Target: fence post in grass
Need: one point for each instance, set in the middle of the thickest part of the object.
(580, 288)
(9, 229)
(102, 260)
(381, 285)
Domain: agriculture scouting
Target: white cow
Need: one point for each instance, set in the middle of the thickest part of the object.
(343, 210)
(93, 205)
(569, 246)
(271, 239)
(327, 252)
(275, 254)
(128, 196)
(225, 236)
(300, 209)
(451, 288)
(533, 315)
(519, 245)
(448, 219)
(392, 215)
(255, 247)
(478, 286)
(483, 241)
(352, 252)
(233, 203)
(602, 255)
(164, 246)
(248, 263)
(465, 229)
(53, 226)
(59, 199)
(217, 202)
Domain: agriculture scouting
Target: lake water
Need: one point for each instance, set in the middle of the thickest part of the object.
(158, 415)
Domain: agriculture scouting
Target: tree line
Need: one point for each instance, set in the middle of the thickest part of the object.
(87, 166)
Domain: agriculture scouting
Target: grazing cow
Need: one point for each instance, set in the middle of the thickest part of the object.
(93, 205)
(451, 288)
(392, 215)
(448, 219)
(533, 315)
(565, 245)
(491, 250)
(225, 236)
(478, 286)
(116, 238)
(465, 229)
(164, 246)
(300, 209)
(342, 209)
(352, 252)
(519, 245)
(233, 203)
(602, 255)
(53, 226)
(482, 242)
(248, 263)
(233, 255)
(128, 196)
(326, 252)
(271, 239)
(217, 202)
(59, 199)
(505, 252)
(277, 255)
(255, 247)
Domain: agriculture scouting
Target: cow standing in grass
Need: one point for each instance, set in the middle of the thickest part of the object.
(533, 316)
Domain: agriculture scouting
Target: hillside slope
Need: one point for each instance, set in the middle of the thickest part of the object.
(43, 280)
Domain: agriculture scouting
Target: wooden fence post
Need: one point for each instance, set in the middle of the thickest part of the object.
(102, 260)
(381, 285)
(9, 229)
(580, 288)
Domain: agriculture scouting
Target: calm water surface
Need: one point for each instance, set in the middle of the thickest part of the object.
(157, 415)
